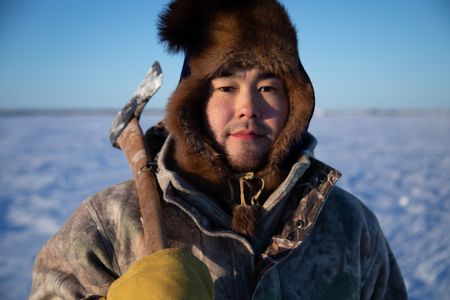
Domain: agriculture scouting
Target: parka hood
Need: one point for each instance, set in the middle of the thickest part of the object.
(214, 35)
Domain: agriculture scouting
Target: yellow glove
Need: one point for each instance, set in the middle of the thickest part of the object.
(166, 274)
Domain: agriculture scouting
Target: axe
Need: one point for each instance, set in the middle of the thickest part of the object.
(126, 134)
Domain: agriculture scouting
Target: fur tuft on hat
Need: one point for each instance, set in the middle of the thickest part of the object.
(217, 34)
(180, 25)
(183, 25)
(230, 30)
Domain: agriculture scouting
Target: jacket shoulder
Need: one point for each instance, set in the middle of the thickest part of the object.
(114, 201)
(348, 207)
(379, 268)
(82, 257)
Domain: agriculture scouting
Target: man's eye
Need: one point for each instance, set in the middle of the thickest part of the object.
(226, 89)
(266, 89)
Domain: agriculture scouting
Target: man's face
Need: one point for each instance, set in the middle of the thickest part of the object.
(245, 112)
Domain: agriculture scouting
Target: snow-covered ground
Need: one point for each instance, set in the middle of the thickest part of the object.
(399, 165)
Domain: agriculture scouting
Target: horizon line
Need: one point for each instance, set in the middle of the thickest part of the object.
(158, 111)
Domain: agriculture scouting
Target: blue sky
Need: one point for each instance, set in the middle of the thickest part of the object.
(92, 54)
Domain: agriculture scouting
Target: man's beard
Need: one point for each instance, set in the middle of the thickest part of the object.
(246, 162)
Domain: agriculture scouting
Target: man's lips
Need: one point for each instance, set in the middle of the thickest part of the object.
(246, 135)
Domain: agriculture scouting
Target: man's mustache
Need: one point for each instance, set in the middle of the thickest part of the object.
(256, 127)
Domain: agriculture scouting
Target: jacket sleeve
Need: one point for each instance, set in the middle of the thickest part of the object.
(77, 263)
(377, 269)
(381, 277)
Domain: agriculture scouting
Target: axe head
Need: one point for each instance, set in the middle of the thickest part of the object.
(146, 89)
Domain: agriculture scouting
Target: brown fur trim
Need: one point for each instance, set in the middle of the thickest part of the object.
(244, 219)
(155, 137)
(216, 34)
(194, 153)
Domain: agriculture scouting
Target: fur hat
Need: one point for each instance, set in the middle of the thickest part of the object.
(217, 34)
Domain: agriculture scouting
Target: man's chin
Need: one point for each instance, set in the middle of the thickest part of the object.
(246, 163)
(247, 157)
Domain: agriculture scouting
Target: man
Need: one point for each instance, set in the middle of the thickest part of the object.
(242, 192)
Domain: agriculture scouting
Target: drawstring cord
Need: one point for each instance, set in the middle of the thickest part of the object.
(244, 179)
(245, 216)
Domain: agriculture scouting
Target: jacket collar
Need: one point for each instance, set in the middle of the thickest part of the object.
(309, 180)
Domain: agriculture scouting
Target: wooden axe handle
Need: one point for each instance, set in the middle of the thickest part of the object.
(131, 141)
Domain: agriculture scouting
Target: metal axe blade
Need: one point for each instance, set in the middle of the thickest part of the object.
(146, 89)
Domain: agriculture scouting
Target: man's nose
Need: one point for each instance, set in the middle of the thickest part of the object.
(248, 104)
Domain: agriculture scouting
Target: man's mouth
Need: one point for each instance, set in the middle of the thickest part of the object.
(246, 135)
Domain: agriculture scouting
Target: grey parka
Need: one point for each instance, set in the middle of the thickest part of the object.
(314, 241)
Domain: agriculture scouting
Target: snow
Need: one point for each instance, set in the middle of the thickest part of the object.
(403, 201)
(397, 164)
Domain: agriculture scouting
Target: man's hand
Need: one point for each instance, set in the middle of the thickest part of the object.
(166, 274)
